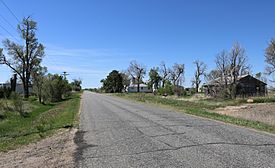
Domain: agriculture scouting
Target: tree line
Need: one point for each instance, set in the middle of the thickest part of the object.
(230, 65)
(25, 61)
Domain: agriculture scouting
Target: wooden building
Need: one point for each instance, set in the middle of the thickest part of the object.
(247, 86)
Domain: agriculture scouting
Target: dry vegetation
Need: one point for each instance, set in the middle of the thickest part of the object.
(263, 112)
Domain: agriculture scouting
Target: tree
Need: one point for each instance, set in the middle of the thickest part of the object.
(38, 82)
(222, 63)
(125, 79)
(200, 70)
(213, 75)
(23, 59)
(270, 57)
(261, 76)
(76, 84)
(55, 88)
(164, 73)
(113, 83)
(176, 73)
(237, 66)
(137, 72)
(154, 78)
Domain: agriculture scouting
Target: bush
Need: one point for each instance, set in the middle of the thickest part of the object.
(2, 110)
(264, 100)
(166, 90)
(179, 91)
(5, 92)
(18, 104)
(55, 88)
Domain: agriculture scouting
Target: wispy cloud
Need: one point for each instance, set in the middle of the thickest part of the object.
(91, 65)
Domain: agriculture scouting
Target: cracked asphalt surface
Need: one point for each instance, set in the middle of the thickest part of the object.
(118, 133)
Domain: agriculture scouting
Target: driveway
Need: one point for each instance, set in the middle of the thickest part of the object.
(118, 133)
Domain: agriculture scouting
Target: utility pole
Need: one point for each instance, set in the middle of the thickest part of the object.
(65, 74)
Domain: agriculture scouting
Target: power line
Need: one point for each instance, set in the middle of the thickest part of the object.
(8, 33)
(7, 22)
(10, 10)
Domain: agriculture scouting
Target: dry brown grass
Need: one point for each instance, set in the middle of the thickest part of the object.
(263, 112)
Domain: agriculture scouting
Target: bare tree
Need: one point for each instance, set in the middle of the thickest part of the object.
(24, 58)
(137, 71)
(176, 73)
(222, 63)
(213, 75)
(270, 57)
(200, 70)
(237, 66)
(164, 73)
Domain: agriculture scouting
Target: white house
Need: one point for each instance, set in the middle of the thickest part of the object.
(133, 88)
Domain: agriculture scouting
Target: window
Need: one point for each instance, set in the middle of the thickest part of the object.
(141, 88)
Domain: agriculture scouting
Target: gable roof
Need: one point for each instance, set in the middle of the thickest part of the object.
(218, 81)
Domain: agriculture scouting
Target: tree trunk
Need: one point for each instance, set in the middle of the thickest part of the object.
(163, 83)
(197, 87)
(138, 87)
(26, 90)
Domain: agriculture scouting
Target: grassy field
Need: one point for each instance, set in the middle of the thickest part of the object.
(203, 108)
(42, 121)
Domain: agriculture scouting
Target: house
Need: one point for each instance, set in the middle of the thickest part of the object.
(133, 88)
(14, 86)
(247, 86)
(18, 88)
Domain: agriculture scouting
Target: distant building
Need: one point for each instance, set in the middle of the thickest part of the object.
(14, 86)
(247, 86)
(133, 88)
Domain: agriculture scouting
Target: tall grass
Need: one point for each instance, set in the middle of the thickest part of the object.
(42, 121)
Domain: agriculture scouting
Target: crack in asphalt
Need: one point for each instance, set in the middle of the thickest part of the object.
(121, 116)
(182, 147)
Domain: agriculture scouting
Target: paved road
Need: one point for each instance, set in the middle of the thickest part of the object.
(119, 133)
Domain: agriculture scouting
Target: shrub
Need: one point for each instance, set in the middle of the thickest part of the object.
(166, 90)
(179, 91)
(18, 104)
(5, 92)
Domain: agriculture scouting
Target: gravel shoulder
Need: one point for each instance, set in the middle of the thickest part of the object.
(55, 151)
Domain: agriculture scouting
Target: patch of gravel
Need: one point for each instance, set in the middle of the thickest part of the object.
(55, 151)
(263, 112)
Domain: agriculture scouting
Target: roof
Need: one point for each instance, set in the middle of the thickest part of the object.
(140, 85)
(217, 80)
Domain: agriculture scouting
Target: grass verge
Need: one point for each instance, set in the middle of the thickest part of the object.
(202, 108)
(43, 121)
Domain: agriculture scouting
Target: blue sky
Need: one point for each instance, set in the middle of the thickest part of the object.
(89, 38)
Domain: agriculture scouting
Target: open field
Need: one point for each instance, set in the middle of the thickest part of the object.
(206, 108)
(42, 121)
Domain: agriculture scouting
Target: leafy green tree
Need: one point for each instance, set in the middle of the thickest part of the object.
(24, 58)
(55, 88)
(125, 79)
(113, 83)
(39, 81)
(76, 84)
(154, 78)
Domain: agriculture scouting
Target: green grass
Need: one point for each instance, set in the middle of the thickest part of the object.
(43, 121)
(203, 108)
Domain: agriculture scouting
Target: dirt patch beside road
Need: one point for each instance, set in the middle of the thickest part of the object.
(263, 112)
(55, 151)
